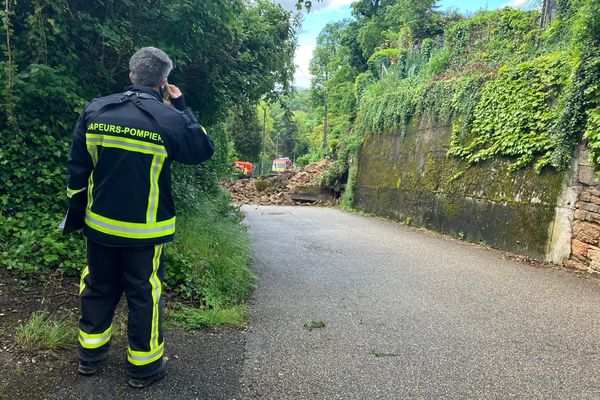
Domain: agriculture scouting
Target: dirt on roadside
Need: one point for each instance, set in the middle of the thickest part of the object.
(204, 364)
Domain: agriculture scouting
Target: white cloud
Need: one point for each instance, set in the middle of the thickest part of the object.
(341, 3)
(302, 61)
(290, 5)
(516, 3)
(304, 52)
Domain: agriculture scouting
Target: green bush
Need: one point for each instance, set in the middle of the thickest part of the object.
(208, 263)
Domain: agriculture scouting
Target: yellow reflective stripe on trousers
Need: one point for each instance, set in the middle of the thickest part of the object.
(156, 285)
(116, 142)
(140, 358)
(94, 340)
(153, 195)
(156, 350)
(84, 273)
(131, 230)
(73, 192)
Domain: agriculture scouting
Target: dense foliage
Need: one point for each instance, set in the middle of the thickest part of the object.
(509, 86)
(58, 55)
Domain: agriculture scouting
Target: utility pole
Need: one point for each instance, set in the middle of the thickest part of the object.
(326, 120)
(264, 138)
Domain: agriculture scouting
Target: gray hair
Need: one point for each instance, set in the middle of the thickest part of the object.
(149, 65)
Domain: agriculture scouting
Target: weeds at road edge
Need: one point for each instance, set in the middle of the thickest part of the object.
(42, 333)
(186, 317)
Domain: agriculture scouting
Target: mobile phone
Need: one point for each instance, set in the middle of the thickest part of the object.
(163, 91)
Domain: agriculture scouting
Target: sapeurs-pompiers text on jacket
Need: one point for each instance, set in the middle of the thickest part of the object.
(119, 176)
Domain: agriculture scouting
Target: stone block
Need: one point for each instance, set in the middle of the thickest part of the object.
(580, 259)
(579, 248)
(586, 232)
(581, 215)
(588, 207)
(593, 253)
(595, 265)
(576, 265)
(584, 215)
(587, 175)
(594, 200)
(585, 196)
(593, 190)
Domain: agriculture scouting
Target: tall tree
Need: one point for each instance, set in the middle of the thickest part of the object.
(323, 64)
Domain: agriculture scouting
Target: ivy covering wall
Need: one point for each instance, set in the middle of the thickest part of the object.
(510, 88)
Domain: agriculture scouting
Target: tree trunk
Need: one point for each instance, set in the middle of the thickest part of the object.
(326, 121)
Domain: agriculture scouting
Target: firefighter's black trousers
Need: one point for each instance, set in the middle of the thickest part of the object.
(139, 272)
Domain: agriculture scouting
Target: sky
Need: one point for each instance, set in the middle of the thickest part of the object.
(335, 10)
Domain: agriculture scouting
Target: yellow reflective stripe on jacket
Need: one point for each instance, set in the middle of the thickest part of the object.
(153, 195)
(139, 146)
(131, 230)
(94, 340)
(90, 190)
(73, 192)
(93, 150)
(145, 357)
(156, 285)
(84, 273)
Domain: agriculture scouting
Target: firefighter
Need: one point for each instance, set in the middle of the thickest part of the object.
(119, 166)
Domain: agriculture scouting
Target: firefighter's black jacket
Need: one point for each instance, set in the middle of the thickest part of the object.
(123, 146)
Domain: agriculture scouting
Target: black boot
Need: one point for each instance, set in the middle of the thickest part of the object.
(139, 383)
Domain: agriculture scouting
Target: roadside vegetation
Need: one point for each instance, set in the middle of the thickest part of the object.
(44, 333)
(512, 83)
(56, 57)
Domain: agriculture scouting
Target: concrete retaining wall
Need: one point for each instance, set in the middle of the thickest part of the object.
(411, 179)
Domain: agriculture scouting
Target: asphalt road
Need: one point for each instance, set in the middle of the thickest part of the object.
(409, 315)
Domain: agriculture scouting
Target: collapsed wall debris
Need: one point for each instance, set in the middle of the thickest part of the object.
(299, 187)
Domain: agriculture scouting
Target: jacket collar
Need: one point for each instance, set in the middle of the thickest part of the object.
(145, 89)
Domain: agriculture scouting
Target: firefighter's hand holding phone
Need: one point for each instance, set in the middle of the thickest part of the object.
(174, 97)
(173, 91)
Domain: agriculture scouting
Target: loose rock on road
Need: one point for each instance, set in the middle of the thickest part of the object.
(409, 315)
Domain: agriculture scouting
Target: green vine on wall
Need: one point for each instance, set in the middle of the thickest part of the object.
(516, 113)
(528, 101)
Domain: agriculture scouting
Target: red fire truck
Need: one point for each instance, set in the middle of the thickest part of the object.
(245, 169)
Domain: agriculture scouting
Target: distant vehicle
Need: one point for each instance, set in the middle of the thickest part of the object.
(283, 164)
(244, 168)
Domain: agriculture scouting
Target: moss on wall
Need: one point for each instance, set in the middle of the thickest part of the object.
(410, 177)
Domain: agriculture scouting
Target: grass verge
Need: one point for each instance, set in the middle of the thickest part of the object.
(208, 266)
(194, 318)
(42, 333)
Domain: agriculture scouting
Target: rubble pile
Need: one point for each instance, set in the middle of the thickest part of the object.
(278, 189)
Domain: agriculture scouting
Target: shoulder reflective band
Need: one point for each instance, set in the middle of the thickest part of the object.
(129, 229)
(145, 357)
(155, 169)
(94, 340)
(73, 192)
(138, 146)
